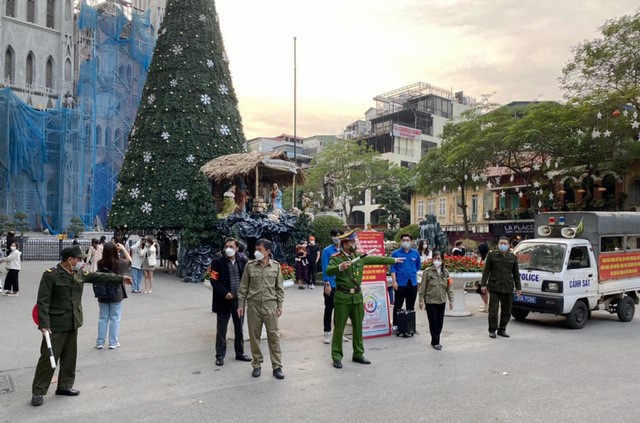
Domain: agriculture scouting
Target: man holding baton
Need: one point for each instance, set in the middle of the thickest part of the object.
(60, 315)
(347, 267)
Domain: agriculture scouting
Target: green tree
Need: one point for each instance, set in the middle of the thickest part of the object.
(188, 116)
(321, 228)
(21, 222)
(77, 226)
(608, 67)
(352, 167)
(393, 194)
(5, 225)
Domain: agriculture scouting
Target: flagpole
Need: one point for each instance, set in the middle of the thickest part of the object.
(295, 112)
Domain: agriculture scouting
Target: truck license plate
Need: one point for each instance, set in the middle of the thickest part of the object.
(527, 299)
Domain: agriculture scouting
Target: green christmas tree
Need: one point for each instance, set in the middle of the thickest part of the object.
(188, 116)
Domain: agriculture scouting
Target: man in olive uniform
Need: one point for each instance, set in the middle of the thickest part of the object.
(347, 266)
(501, 275)
(60, 314)
(261, 292)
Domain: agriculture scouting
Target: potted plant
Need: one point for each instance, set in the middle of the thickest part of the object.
(288, 273)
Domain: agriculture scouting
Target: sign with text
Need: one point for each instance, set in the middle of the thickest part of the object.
(374, 287)
(280, 164)
(406, 132)
(618, 265)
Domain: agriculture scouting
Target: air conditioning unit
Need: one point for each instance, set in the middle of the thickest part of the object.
(486, 215)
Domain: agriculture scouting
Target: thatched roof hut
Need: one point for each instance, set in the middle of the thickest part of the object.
(269, 167)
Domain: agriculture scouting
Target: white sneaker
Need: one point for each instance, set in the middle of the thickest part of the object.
(327, 338)
(484, 308)
(311, 286)
(113, 347)
(394, 329)
(345, 339)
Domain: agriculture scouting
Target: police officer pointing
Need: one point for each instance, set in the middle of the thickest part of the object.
(60, 314)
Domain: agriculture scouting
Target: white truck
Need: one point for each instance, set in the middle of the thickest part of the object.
(579, 262)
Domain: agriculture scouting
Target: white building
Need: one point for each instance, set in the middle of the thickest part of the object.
(38, 49)
(404, 125)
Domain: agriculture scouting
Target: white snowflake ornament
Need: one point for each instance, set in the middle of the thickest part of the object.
(177, 49)
(202, 18)
(205, 99)
(146, 208)
(223, 89)
(224, 130)
(181, 194)
(147, 156)
(118, 186)
(134, 192)
(151, 99)
(191, 158)
(165, 136)
(210, 64)
(173, 83)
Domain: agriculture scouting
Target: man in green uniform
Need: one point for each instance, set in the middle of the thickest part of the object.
(347, 266)
(501, 275)
(60, 314)
(261, 292)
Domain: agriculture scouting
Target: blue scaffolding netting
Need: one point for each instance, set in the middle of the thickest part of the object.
(64, 162)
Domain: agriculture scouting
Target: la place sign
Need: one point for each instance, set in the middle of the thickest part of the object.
(280, 165)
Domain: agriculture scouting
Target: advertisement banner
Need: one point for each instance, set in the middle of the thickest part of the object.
(406, 132)
(377, 311)
(618, 265)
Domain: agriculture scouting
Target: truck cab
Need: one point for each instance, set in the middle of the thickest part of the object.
(579, 262)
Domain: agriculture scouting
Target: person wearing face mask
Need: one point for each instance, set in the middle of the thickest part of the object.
(347, 267)
(261, 293)
(313, 255)
(329, 283)
(13, 268)
(228, 270)
(434, 290)
(60, 314)
(404, 277)
(500, 276)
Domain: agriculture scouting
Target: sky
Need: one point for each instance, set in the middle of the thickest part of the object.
(349, 51)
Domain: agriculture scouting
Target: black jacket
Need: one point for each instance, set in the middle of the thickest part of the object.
(222, 285)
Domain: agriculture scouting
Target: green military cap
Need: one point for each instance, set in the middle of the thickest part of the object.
(74, 251)
(347, 236)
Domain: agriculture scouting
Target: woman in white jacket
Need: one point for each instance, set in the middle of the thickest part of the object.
(149, 262)
(13, 268)
(137, 257)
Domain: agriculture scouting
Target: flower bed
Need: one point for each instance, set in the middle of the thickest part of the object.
(288, 272)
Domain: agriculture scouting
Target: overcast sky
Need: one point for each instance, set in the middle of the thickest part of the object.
(351, 50)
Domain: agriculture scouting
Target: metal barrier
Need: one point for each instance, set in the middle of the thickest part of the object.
(47, 248)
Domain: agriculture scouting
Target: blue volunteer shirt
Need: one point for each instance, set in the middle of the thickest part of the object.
(408, 269)
(324, 261)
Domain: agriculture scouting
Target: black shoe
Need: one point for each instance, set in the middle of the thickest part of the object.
(492, 334)
(36, 400)
(68, 392)
(300, 287)
(503, 333)
(437, 347)
(219, 361)
(337, 364)
(256, 372)
(277, 373)
(361, 360)
(243, 358)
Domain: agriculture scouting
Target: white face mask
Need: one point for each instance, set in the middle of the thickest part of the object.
(312, 242)
(406, 244)
(79, 265)
(230, 252)
(13, 248)
(437, 263)
(258, 255)
(336, 241)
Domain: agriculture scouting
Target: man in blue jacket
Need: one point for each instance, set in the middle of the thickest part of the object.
(404, 277)
(226, 275)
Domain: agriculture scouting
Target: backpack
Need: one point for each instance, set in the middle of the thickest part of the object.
(106, 291)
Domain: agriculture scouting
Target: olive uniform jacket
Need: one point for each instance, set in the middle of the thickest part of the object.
(261, 284)
(435, 287)
(501, 272)
(348, 282)
(60, 297)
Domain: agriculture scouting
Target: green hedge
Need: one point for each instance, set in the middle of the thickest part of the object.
(321, 228)
(414, 230)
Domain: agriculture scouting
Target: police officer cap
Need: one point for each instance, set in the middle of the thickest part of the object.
(347, 236)
(74, 251)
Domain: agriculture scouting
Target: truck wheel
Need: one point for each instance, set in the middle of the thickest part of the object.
(519, 313)
(579, 315)
(626, 309)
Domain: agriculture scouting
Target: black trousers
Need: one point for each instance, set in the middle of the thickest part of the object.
(221, 335)
(313, 268)
(435, 314)
(504, 301)
(11, 282)
(408, 293)
(328, 309)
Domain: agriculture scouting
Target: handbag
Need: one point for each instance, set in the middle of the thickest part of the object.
(151, 259)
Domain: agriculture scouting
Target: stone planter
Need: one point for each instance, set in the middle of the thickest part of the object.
(459, 280)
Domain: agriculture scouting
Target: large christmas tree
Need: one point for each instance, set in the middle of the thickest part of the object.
(188, 116)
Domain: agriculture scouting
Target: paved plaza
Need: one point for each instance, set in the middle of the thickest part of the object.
(165, 371)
